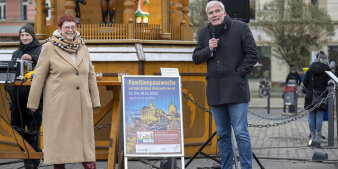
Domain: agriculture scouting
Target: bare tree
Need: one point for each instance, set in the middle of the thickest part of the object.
(297, 28)
(198, 16)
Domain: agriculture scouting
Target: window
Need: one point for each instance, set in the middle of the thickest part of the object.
(252, 10)
(296, 8)
(314, 2)
(2, 9)
(263, 68)
(24, 10)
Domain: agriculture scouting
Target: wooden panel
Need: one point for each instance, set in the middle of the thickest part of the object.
(131, 68)
(155, 12)
(60, 9)
(4, 108)
(119, 12)
(91, 12)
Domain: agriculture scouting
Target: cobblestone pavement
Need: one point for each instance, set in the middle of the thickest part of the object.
(282, 147)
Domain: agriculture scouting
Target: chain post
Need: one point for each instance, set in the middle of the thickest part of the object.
(331, 115)
(268, 98)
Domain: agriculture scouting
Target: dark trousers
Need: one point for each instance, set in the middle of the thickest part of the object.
(22, 117)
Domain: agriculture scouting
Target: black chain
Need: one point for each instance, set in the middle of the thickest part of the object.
(271, 118)
(290, 119)
(27, 131)
(102, 126)
(280, 123)
(302, 114)
(195, 102)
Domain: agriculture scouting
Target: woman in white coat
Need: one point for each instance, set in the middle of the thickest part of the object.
(65, 76)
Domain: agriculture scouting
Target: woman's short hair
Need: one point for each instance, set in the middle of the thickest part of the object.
(65, 18)
(212, 3)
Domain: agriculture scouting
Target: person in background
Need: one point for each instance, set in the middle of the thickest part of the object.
(305, 69)
(21, 116)
(294, 76)
(65, 76)
(316, 79)
(230, 51)
(332, 66)
(336, 70)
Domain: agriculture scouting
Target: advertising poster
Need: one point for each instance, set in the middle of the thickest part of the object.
(152, 116)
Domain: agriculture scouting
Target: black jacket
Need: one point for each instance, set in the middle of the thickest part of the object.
(32, 49)
(230, 64)
(315, 79)
(294, 76)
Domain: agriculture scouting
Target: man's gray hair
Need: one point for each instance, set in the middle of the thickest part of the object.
(212, 3)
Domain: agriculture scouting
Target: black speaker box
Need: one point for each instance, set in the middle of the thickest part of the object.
(238, 9)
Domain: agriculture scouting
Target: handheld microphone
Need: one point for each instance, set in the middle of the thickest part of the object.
(212, 32)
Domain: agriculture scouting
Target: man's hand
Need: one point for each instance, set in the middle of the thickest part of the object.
(26, 57)
(213, 43)
(33, 110)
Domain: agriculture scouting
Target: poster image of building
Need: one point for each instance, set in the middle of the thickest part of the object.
(152, 115)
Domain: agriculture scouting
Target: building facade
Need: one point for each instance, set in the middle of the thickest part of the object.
(14, 14)
(272, 68)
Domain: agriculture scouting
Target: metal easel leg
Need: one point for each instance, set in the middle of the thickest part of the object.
(199, 151)
(258, 162)
(233, 148)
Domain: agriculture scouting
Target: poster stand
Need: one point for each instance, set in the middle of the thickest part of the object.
(152, 117)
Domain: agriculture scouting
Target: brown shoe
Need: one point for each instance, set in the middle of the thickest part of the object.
(59, 166)
(89, 165)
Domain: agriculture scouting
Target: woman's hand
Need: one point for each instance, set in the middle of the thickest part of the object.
(26, 57)
(33, 110)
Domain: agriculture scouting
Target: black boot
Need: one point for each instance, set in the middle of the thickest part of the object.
(29, 164)
(111, 16)
(104, 15)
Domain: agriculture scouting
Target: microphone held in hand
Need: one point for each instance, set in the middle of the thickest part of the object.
(212, 32)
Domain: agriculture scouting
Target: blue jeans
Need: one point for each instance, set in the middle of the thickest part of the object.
(236, 115)
(316, 121)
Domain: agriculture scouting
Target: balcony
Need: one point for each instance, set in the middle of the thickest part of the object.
(128, 31)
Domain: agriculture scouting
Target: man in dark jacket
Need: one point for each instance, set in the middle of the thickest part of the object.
(29, 49)
(293, 75)
(230, 51)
